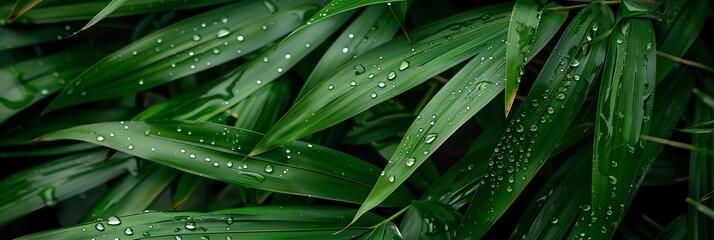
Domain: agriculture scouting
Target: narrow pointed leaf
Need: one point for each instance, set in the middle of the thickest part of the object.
(557, 205)
(47, 184)
(249, 223)
(335, 8)
(456, 103)
(624, 113)
(237, 85)
(373, 27)
(681, 30)
(701, 127)
(239, 29)
(388, 70)
(701, 180)
(20, 7)
(702, 208)
(676, 230)
(386, 231)
(134, 193)
(525, 18)
(430, 220)
(558, 92)
(111, 7)
(298, 168)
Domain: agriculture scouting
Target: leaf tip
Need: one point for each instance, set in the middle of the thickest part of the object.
(509, 103)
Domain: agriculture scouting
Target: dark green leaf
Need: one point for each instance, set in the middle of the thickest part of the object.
(430, 220)
(106, 11)
(701, 180)
(676, 230)
(386, 231)
(683, 24)
(707, 126)
(21, 6)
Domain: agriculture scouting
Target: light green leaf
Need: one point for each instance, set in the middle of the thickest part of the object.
(525, 18)
(373, 27)
(297, 168)
(335, 8)
(707, 126)
(249, 223)
(388, 70)
(47, 184)
(556, 96)
(480, 81)
(20, 7)
(106, 11)
(624, 113)
(177, 50)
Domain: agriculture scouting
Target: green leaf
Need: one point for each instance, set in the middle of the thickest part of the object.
(683, 24)
(372, 28)
(702, 208)
(378, 123)
(298, 168)
(430, 220)
(624, 113)
(63, 11)
(335, 8)
(237, 85)
(701, 181)
(556, 96)
(676, 230)
(459, 100)
(239, 29)
(111, 7)
(30, 81)
(386, 71)
(187, 184)
(47, 184)
(386, 231)
(262, 109)
(20, 7)
(525, 18)
(133, 194)
(706, 126)
(557, 205)
(666, 170)
(249, 223)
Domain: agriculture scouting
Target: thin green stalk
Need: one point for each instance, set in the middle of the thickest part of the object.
(581, 5)
(685, 61)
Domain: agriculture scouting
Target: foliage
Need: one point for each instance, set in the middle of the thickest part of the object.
(369, 119)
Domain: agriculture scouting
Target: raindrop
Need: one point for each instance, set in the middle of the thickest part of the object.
(411, 161)
(288, 56)
(619, 41)
(509, 189)
(381, 84)
(269, 5)
(99, 227)
(351, 36)
(330, 87)
(345, 50)
(519, 128)
(229, 164)
(240, 38)
(216, 51)
(141, 81)
(613, 180)
(100, 138)
(551, 110)
(574, 63)
(216, 164)
(353, 83)
(190, 225)
(229, 220)
(264, 27)
(48, 196)
(403, 66)
(196, 37)
(576, 77)
(534, 128)
(554, 220)
(430, 138)
(130, 147)
(586, 207)
(391, 179)
(560, 96)
(147, 132)
(113, 221)
(178, 129)
(359, 69)
(258, 82)
(265, 59)
(269, 168)
(128, 231)
(373, 95)
(159, 40)
(223, 32)
(391, 75)
(208, 159)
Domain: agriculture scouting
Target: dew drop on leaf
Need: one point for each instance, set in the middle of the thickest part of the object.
(128, 231)
(391, 179)
(269, 168)
(99, 227)
(113, 220)
(190, 225)
(404, 65)
(410, 162)
(100, 138)
(430, 138)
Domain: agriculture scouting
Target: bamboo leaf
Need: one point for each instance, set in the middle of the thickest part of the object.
(237, 85)
(239, 29)
(525, 18)
(459, 100)
(335, 8)
(386, 231)
(298, 168)
(430, 220)
(20, 7)
(557, 94)
(250, 223)
(386, 71)
(682, 26)
(106, 11)
(373, 27)
(134, 193)
(47, 184)
(676, 230)
(624, 113)
(701, 127)
(700, 174)
(702, 208)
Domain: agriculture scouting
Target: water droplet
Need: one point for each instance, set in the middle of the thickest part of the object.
(373, 95)
(100, 138)
(288, 56)
(411, 161)
(216, 51)
(264, 27)
(99, 227)
(613, 180)
(178, 129)
(269, 5)
(130, 147)
(560, 96)
(113, 220)
(330, 87)
(353, 83)
(649, 46)
(128, 231)
(519, 128)
(350, 35)
(345, 50)
(485, 16)
(258, 82)
(550, 110)
(240, 38)
(586, 207)
(48, 196)
(391, 179)
(147, 132)
(403, 66)
(159, 40)
(509, 189)
(430, 138)
(269, 168)
(613, 164)
(619, 41)
(216, 164)
(359, 69)
(391, 75)
(141, 81)
(554, 220)
(196, 37)
(223, 32)
(534, 128)
(190, 225)
(381, 84)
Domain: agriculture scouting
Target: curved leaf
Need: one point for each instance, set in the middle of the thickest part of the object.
(20, 7)
(388, 70)
(701, 181)
(250, 223)
(525, 18)
(106, 11)
(681, 30)
(47, 184)
(430, 220)
(624, 113)
(386, 231)
(556, 96)
(373, 27)
(459, 100)
(218, 152)
(184, 48)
